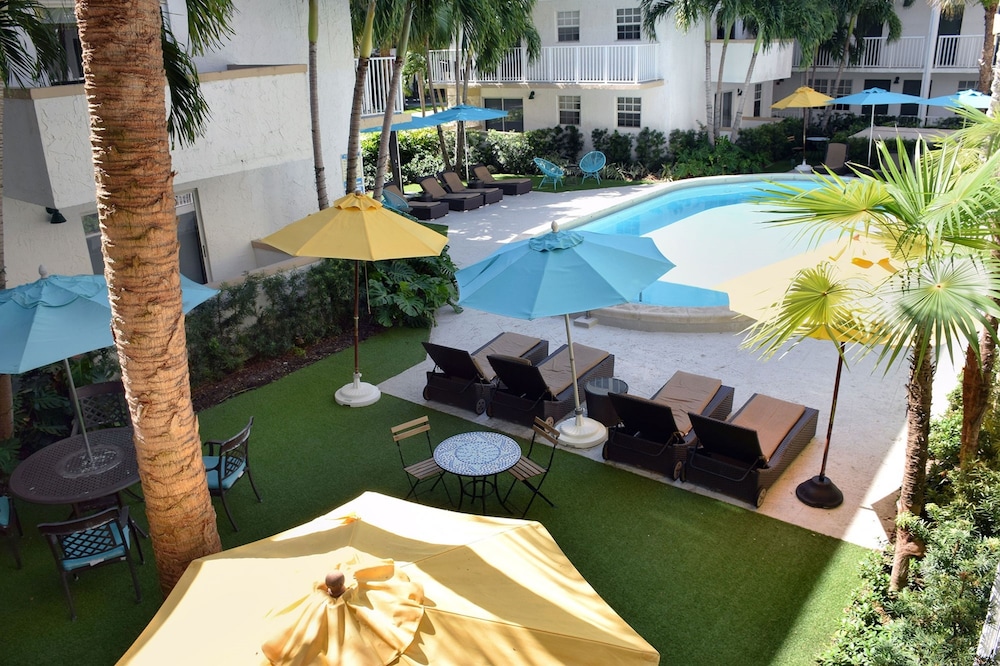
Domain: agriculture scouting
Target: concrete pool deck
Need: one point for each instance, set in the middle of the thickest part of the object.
(650, 343)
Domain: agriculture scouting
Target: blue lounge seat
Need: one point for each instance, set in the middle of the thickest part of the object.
(591, 165)
(551, 173)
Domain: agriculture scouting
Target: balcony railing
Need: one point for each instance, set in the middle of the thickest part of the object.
(612, 64)
(377, 84)
(953, 52)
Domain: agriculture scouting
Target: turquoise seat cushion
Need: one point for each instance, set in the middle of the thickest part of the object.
(229, 477)
(4, 511)
(114, 539)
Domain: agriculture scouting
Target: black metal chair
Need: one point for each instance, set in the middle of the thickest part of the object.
(103, 406)
(531, 471)
(226, 463)
(418, 469)
(10, 526)
(92, 541)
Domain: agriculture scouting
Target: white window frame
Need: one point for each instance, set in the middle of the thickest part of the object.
(568, 26)
(570, 106)
(629, 111)
(629, 20)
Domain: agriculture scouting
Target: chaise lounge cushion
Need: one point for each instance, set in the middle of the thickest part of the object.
(684, 393)
(507, 344)
(556, 370)
(771, 418)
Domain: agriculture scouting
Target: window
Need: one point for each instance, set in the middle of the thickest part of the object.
(968, 85)
(845, 88)
(758, 96)
(513, 121)
(629, 112)
(569, 110)
(629, 21)
(568, 26)
(726, 110)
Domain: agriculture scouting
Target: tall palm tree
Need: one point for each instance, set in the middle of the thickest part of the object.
(931, 211)
(365, 40)
(22, 22)
(317, 140)
(989, 37)
(124, 82)
(402, 45)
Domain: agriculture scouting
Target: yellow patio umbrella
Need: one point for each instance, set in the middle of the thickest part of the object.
(803, 98)
(360, 228)
(459, 589)
(814, 295)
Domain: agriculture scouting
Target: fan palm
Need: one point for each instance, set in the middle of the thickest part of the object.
(931, 212)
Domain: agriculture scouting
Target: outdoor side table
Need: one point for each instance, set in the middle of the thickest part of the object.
(480, 456)
(599, 405)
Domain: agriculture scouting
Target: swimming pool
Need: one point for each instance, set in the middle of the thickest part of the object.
(708, 228)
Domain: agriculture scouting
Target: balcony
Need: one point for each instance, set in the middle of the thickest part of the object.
(581, 65)
(775, 63)
(952, 53)
(377, 84)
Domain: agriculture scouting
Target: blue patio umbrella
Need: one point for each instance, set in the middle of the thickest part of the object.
(59, 316)
(559, 273)
(973, 98)
(873, 96)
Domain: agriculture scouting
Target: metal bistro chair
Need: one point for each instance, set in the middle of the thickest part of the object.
(92, 541)
(551, 173)
(103, 406)
(10, 526)
(532, 471)
(226, 463)
(591, 165)
(425, 469)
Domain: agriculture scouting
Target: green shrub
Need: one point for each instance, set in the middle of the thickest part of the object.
(724, 158)
(651, 149)
(770, 141)
(617, 147)
(410, 291)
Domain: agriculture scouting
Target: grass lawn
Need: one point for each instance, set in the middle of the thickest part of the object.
(705, 582)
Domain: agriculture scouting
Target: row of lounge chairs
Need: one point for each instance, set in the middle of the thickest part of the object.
(685, 430)
(448, 192)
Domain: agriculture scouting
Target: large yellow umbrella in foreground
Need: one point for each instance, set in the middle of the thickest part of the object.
(814, 295)
(357, 227)
(490, 591)
(803, 98)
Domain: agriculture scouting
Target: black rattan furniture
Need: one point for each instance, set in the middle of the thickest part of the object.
(744, 456)
(654, 433)
(454, 184)
(422, 210)
(434, 192)
(467, 380)
(510, 186)
(599, 405)
(226, 463)
(544, 390)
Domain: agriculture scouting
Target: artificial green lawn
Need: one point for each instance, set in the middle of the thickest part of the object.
(705, 582)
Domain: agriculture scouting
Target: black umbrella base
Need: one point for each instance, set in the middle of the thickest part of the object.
(819, 492)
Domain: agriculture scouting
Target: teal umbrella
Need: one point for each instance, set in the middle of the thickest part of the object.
(559, 273)
(872, 97)
(973, 98)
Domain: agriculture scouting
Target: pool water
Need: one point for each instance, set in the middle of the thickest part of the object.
(713, 235)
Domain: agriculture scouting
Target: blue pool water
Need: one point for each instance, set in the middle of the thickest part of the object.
(711, 232)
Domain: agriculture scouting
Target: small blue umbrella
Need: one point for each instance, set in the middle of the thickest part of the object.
(973, 98)
(559, 273)
(872, 97)
(59, 316)
(464, 112)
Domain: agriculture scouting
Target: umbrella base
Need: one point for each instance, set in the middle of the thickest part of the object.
(803, 168)
(357, 393)
(820, 492)
(582, 433)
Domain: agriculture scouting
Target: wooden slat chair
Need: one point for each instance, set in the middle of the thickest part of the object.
(418, 469)
(531, 471)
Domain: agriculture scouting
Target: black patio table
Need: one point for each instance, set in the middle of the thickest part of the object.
(61, 473)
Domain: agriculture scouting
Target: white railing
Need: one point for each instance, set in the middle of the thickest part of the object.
(909, 53)
(377, 84)
(633, 63)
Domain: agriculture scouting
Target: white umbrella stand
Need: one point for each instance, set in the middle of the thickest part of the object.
(578, 431)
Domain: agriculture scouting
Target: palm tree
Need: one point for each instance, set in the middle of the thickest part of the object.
(317, 141)
(402, 44)
(131, 152)
(365, 40)
(21, 22)
(989, 37)
(931, 211)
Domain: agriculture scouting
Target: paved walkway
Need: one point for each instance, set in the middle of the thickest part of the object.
(866, 451)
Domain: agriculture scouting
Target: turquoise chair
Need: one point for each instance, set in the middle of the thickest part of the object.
(591, 165)
(551, 173)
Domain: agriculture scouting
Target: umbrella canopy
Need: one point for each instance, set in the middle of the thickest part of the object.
(973, 98)
(872, 97)
(464, 112)
(814, 295)
(59, 316)
(804, 97)
(494, 590)
(360, 228)
(559, 273)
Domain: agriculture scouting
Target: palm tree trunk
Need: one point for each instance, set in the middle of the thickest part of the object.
(977, 383)
(845, 56)
(125, 87)
(989, 46)
(717, 102)
(911, 493)
(360, 77)
(709, 106)
(445, 158)
(317, 142)
(390, 101)
(738, 121)
(6, 390)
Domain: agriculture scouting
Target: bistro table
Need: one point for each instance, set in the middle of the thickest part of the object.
(481, 456)
(61, 473)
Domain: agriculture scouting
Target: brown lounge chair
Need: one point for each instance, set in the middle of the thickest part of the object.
(545, 390)
(454, 184)
(743, 456)
(836, 159)
(655, 433)
(422, 210)
(467, 380)
(433, 190)
(510, 186)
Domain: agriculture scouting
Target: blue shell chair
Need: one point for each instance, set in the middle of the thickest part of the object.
(551, 173)
(591, 165)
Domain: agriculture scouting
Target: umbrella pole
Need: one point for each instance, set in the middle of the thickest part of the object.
(357, 393)
(820, 491)
(871, 135)
(77, 411)
(579, 432)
